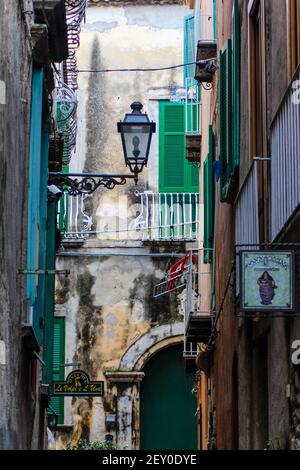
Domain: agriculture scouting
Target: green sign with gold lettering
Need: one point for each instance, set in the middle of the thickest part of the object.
(78, 383)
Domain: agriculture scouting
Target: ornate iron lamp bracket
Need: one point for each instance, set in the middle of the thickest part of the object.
(76, 184)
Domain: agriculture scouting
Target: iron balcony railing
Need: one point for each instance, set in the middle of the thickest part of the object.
(285, 160)
(72, 219)
(168, 216)
(191, 306)
(192, 107)
(246, 216)
(190, 95)
(161, 216)
(197, 322)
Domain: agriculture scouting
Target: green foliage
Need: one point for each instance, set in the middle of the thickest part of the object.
(84, 444)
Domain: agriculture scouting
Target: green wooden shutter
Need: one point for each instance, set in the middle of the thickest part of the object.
(229, 109)
(226, 118)
(176, 175)
(236, 86)
(222, 115)
(58, 360)
(215, 18)
(172, 176)
(189, 46)
(35, 150)
(209, 200)
(49, 291)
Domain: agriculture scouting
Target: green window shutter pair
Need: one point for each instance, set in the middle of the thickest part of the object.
(229, 98)
(209, 200)
(57, 403)
(176, 175)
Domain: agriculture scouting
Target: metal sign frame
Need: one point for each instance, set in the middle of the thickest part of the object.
(268, 308)
(76, 384)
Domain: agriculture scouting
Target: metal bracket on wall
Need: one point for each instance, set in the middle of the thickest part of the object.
(88, 182)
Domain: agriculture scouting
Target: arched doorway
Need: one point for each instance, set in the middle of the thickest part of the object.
(167, 406)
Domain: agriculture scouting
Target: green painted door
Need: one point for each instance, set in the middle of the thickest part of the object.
(168, 407)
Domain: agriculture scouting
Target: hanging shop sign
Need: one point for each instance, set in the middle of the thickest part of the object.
(267, 281)
(78, 383)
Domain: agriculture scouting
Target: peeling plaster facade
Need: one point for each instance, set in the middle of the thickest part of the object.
(113, 323)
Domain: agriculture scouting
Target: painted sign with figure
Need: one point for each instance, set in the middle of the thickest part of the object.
(78, 383)
(267, 281)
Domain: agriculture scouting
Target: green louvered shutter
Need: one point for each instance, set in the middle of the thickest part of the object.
(58, 359)
(222, 116)
(172, 148)
(176, 175)
(236, 86)
(229, 110)
(215, 18)
(209, 200)
(226, 118)
(189, 46)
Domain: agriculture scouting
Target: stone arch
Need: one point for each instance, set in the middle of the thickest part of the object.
(156, 338)
(126, 380)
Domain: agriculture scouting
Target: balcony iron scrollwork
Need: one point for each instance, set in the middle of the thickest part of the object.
(88, 183)
(75, 13)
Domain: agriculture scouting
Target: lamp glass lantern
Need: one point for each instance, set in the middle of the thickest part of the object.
(136, 133)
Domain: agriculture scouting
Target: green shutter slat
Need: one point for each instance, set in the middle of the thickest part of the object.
(236, 86)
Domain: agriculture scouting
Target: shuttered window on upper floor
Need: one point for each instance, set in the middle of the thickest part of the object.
(229, 102)
(189, 46)
(176, 174)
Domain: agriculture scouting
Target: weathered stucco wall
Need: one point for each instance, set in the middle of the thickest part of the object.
(109, 306)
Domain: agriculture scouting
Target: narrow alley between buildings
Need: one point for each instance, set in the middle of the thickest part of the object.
(150, 225)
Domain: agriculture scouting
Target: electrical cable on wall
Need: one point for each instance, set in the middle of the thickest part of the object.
(157, 69)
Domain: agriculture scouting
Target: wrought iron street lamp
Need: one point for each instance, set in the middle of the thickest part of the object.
(136, 133)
